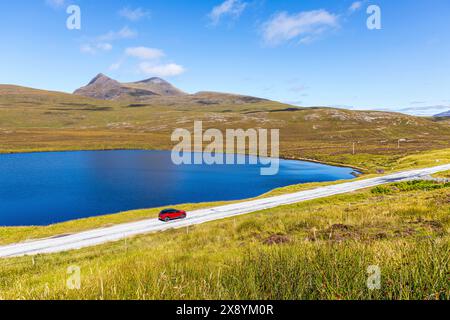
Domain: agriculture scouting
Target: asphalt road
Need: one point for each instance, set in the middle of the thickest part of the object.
(122, 231)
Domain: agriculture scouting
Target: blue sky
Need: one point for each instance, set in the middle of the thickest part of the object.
(305, 52)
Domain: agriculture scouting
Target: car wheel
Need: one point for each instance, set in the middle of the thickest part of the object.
(183, 216)
(167, 219)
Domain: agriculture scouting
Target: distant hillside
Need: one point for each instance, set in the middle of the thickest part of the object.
(37, 120)
(443, 114)
(155, 89)
(157, 85)
(105, 88)
(18, 96)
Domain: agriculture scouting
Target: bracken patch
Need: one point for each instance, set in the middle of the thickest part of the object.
(374, 232)
(277, 239)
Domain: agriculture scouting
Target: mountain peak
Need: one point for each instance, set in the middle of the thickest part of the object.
(158, 86)
(154, 80)
(105, 88)
(100, 78)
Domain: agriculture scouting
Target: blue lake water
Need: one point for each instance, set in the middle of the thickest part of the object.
(45, 188)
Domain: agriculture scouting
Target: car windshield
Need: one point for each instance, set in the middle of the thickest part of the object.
(169, 211)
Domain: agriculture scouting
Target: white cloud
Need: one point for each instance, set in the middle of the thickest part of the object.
(357, 5)
(124, 33)
(164, 70)
(425, 110)
(150, 64)
(55, 3)
(306, 26)
(134, 14)
(232, 8)
(93, 48)
(104, 46)
(144, 53)
(87, 48)
(115, 66)
(103, 42)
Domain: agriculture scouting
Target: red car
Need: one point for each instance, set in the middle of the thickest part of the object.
(171, 214)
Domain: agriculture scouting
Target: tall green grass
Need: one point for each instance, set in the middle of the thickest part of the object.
(319, 249)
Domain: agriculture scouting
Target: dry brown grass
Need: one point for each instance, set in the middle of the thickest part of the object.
(33, 120)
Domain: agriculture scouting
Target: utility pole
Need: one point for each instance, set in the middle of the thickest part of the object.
(354, 148)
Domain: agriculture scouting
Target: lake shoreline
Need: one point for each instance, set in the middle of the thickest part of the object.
(38, 166)
(24, 233)
(36, 183)
(361, 171)
(16, 234)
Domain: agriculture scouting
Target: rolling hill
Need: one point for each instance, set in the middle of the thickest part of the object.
(39, 120)
(443, 114)
(158, 86)
(154, 89)
(105, 88)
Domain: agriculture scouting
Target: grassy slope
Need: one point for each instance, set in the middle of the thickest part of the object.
(445, 174)
(318, 249)
(32, 120)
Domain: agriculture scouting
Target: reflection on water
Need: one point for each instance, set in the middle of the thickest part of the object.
(45, 188)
